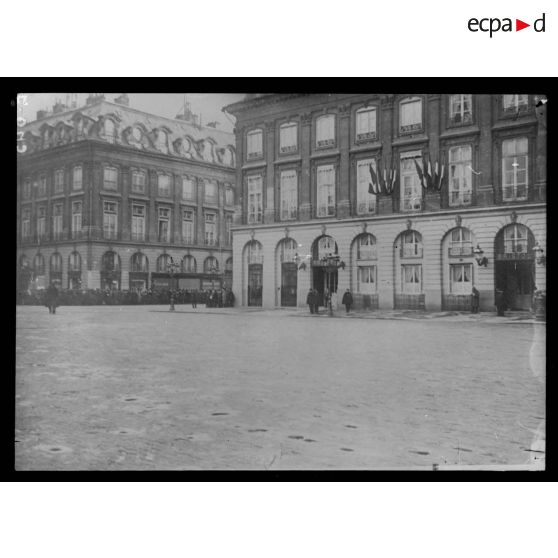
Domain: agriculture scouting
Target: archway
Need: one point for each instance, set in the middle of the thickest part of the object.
(321, 280)
(288, 272)
(253, 260)
(514, 265)
(459, 270)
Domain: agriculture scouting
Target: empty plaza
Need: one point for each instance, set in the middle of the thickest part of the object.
(142, 388)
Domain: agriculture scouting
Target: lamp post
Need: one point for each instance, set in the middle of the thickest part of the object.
(479, 256)
(172, 268)
(331, 263)
(539, 254)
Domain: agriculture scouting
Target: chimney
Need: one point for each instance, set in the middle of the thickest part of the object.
(58, 107)
(94, 98)
(123, 100)
(42, 114)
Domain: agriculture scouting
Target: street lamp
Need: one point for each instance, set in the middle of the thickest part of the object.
(331, 264)
(541, 259)
(172, 268)
(481, 260)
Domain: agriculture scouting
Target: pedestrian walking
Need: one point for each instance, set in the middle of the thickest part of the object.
(310, 300)
(347, 300)
(194, 296)
(475, 296)
(316, 301)
(500, 302)
(51, 299)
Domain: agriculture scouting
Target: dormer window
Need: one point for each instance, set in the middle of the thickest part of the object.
(254, 144)
(410, 115)
(161, 142)
(288, 137)
(325, 130)
(109, 130)
(366, 124)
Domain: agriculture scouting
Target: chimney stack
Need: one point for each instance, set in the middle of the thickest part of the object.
(42, 114)
(123, 100)
(58, 107)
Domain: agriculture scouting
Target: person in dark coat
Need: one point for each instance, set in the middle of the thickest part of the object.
(310, 300)
(347, 300)
(194, 296)
(51, 298)
(500, 302)
(475, 296)
(316, 301)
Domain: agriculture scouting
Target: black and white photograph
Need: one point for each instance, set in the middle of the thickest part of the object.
(279, 282)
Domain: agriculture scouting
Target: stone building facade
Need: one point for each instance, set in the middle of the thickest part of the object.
(109, 196)
(304, 185)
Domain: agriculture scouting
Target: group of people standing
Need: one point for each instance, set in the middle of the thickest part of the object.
(313, 299)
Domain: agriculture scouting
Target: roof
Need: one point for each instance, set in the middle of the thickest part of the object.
(126, 118)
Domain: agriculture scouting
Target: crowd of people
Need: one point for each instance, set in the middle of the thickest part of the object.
(91, 297)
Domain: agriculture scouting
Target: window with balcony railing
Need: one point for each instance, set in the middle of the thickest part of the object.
(460, 175)
(411, 245)
(461, 111)
(254, 144)
(366, 124)
(515, 177)
(325, 130)
(188, 226)
(164, 224)
(138, 182)
(366, 202)
(77, 211)
(57, 221)
(410, 115)
(110, 220)
(110, 178)
(461, 244)
(288, 137)
(138, 222)
(325, 185)
(289, 194)
(210, 229)
(411, 188)
(255, 208)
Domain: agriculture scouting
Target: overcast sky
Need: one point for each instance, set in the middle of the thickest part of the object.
(162, 104)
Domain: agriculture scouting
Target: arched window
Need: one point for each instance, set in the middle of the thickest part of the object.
(210, 265)
(254, 252)
(325, 130)
(139, 263)
(56, 263)
(366, 124)
(110, 261)
(411, 245)
(325, 246)
(163, 262)
(161, 141)
(516, 239)
(189, 264)
(109, 130)
(288, 250)
(74, 262)
(288, 137)
(229, 265)
(366, 247)
(39, 264)
(460, 242)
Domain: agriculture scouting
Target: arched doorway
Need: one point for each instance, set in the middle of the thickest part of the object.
(74, 270)
(110, 271)
(459, 270)
(514, 266)
(364, 271)
(287, 251)
(139, 272)
(321, 280)
(409, 283)
(55, 272)
(253, 255)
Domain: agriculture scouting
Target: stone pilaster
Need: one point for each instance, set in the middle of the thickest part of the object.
(343, 188)
(305, 182)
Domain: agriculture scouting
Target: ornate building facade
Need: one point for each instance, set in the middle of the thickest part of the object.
(416, 199)
(109, 196)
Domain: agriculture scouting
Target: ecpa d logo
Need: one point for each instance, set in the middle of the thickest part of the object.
(494, 24)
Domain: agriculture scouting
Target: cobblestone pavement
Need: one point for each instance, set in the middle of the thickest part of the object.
(138, 387)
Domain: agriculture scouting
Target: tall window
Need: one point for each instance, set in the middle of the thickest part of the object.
(163, 262)
(42, 187)
(76, 219)
(57, 221)
(288, 137)
(187, 188)
(255, 208)
(26, 194)
(77, 178)
(228, 229)
(289, 186)
(138, 222)
(366, 202)
(366, 276)
(229, 196)
(366, 124)
(461, 111)
(138, 182)
(58, 181)
(110, 177)
(411, 279)
(515, 239)
(411, 245)
(325, 180)
(515, 103)
(140, 263)
(366, 247)
(189, 264)
(514, 169)
(110, 219)
(210, 264)
(164, 224)
(461, 242)
(74, 262)
(460, 179)
(410, 115)
(25, 224)
(41, 222)
(411, 189)
(461, 278)
(210, 229)
(56, 263)
(188, 226)
(163, 185)
(254, 144)
(39, 264)
(210, 191)
(325, 130)
(109, 130)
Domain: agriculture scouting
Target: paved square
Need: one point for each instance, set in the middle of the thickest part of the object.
(138, 387)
